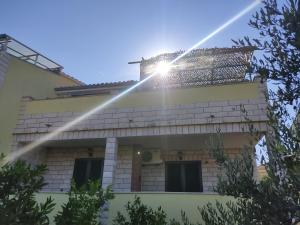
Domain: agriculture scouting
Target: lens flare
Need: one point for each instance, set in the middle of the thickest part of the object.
(16, 154)
(219, 29)
(162, 68)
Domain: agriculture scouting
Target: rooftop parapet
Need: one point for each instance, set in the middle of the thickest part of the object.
(199, 67)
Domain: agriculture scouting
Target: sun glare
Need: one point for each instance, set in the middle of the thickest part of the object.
(162, 68)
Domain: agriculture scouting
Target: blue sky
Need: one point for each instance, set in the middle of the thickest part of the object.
(94, 40)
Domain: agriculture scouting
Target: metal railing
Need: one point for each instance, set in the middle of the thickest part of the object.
(23, 52)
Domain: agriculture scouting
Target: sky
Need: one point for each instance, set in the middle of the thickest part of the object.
(95, 39)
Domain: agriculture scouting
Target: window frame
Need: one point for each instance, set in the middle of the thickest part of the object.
(88, 169)
(183, 173)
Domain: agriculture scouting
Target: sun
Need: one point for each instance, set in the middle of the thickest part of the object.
(163, 68)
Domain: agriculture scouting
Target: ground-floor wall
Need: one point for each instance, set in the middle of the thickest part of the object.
(153, 176)
(60, 163)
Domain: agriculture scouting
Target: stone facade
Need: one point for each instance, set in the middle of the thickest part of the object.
(110, 161)
(197, 118)
(122, 180)
(112, 124)
(210, 170)
(60, 163)
(153, 177)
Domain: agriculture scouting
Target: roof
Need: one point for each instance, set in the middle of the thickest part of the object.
(100, 85)
(78, 82)
(21, 51)
(91, 89)
(27, 54)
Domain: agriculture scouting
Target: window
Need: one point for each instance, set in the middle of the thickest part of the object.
(87, 169)
(184, 176)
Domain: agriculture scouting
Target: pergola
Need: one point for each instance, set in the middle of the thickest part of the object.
(23, 52)
(201, 67)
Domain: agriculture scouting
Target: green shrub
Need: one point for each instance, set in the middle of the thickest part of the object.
(84, 205)
(140, 214)
(18, 183)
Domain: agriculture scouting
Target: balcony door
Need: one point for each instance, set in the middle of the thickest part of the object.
(184, 176)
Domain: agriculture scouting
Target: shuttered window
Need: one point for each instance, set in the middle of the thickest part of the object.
(87, 169)
(184, 176)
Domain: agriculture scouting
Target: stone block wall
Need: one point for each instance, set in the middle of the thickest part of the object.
(110, 161)
(60, 163)
(112, 123)
(198, 118)
(133, 121)
(153, 177)
(122, 180)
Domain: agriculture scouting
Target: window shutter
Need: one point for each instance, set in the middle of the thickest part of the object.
(184, 176)
(79, 173)
(96, 170)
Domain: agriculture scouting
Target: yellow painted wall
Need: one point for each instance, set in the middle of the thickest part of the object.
(171, 203)
(261, 171)
(23, 79)
(149, 98)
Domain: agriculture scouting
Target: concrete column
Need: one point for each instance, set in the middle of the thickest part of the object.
(110, 161)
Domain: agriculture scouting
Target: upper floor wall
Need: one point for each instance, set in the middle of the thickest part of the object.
(243, 91)
(190, 110)
(17, 79)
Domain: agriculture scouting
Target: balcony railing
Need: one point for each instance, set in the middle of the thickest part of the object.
(23, 52)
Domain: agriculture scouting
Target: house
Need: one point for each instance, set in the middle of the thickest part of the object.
(155, 140)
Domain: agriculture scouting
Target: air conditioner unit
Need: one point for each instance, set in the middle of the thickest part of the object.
(151, 156)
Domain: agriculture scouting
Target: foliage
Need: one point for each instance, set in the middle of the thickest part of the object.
(264, 202)
(18, 183)
(279, 41)
(140, 214)
(276, 198)
(84, 204)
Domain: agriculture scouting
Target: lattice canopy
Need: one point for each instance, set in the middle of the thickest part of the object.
(200, 67)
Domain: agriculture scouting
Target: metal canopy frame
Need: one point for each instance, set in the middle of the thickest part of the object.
(23, 52)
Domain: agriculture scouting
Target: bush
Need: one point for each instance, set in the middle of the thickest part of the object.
(84, 205)
(140, 214)
(18, 183)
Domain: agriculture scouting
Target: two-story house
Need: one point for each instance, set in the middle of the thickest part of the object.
(154, 140)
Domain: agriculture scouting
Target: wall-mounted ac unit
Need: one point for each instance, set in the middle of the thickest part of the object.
(151, 156)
